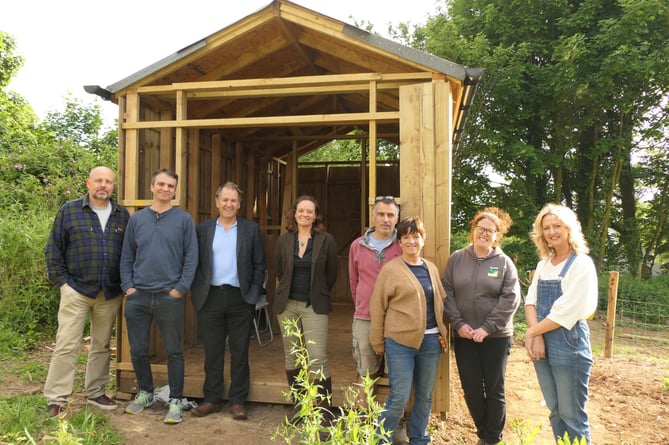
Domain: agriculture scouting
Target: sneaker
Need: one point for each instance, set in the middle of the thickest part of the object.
(174, 413)
(143, 400)
(103, 402)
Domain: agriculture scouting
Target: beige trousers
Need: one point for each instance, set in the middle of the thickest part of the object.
(72, 314)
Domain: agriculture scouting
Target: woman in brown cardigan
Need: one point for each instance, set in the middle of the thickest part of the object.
(407, 311)
(306, 268)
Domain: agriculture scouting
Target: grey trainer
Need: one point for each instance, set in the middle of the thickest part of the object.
(142, 400)
(174, 412)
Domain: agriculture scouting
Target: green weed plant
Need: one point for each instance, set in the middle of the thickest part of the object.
(346, 425)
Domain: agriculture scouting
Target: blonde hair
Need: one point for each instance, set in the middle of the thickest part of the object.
(568, 217)
(499, 218)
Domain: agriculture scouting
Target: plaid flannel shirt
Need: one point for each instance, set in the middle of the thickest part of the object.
(80, 254)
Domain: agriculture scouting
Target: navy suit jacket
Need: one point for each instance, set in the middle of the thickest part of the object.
(250, 261)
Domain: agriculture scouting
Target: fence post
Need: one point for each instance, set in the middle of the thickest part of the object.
(611, 314)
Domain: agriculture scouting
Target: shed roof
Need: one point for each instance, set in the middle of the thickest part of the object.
(285, 40)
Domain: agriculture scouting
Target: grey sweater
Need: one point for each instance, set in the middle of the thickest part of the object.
(159, 251)
(481, 292)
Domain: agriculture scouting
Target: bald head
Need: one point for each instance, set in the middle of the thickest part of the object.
(100, 184)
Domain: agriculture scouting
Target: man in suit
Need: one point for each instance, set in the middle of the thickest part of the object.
(228, 283)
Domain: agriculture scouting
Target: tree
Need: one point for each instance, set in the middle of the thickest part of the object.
(567, 86)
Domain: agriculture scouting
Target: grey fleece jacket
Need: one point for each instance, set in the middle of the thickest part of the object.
(481, 292)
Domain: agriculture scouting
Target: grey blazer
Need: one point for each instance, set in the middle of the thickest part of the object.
(250, 261)
(324, 265)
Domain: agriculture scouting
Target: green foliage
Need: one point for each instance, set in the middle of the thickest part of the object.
(523, 432)
(350, 150)
(665, 384)
(351, 425)
(28, 302)
(25, 421)
(42, 165)
(569, 90)
(566, 441)
(10, 62)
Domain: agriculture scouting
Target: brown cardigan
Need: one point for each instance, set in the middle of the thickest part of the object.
(398, 306)
(324, 263)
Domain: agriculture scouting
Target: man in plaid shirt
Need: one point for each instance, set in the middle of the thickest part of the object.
(82, 256)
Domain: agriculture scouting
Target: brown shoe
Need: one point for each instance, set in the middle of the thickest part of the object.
(55, 410)
(206, 408)
(238, 411)
(103, 402)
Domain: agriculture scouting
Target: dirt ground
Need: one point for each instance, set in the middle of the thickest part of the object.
(627, 405)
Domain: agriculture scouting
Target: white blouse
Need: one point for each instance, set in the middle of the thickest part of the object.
(579, 290)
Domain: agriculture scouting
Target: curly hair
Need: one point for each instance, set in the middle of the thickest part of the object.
(568, 217)
(498, 217)
(291, 223)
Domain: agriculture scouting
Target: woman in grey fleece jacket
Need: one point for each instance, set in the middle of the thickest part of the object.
(483, 294)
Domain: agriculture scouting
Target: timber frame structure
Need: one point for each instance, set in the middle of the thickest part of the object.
(244, 103)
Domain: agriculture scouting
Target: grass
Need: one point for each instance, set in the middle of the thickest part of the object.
(24, 418)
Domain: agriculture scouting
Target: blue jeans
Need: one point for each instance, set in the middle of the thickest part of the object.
(141, 308)
(407, 366)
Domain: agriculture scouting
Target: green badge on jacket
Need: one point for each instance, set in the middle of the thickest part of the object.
(493, 272)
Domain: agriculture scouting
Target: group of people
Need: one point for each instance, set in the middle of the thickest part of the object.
(97, 252)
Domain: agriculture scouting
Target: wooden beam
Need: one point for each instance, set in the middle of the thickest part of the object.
(269, 121)
(166, 135)
(345, 80)
(216, 151)
(181, 150)
(131, 161)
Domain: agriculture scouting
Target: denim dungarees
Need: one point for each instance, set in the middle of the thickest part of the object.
(565, 373)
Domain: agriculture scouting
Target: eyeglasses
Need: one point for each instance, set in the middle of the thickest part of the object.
(389, 199)
(481, 229)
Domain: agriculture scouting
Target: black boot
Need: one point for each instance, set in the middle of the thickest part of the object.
(291, 375)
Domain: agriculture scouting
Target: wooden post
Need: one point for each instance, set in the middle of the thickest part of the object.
(611, 314)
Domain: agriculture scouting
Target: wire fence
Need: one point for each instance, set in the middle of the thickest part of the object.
(642, 320)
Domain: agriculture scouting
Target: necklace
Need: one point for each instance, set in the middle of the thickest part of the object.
(301, 243)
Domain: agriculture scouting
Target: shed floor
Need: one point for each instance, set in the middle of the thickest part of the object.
(268, 378)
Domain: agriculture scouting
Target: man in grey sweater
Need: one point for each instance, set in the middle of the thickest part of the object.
(158, 265)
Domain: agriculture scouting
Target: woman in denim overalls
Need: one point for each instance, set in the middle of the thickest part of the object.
(563, 294)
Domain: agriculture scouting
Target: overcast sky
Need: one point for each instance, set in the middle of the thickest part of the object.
(71, 43)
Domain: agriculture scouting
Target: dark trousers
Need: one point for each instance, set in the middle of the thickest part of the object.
(225, 314)
(482, 367)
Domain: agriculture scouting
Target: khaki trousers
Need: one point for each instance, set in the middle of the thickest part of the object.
(72, 314)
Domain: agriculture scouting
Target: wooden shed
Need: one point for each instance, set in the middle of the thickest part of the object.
(244, 103)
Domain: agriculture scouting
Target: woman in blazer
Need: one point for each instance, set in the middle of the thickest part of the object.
(306, 268)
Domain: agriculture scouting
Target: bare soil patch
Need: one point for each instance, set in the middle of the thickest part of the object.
(627, 404)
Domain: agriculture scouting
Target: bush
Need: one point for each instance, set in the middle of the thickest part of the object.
(28, 302)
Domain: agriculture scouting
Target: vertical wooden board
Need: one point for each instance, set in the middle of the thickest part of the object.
(120, 183)
(166, 138)
(410, 181)
(181, 148)
(417, 190)
(131, 160)
(262, 193)
(249, 187)
(215, 171)
(443, 106)
(190, 201)
(427, 169)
